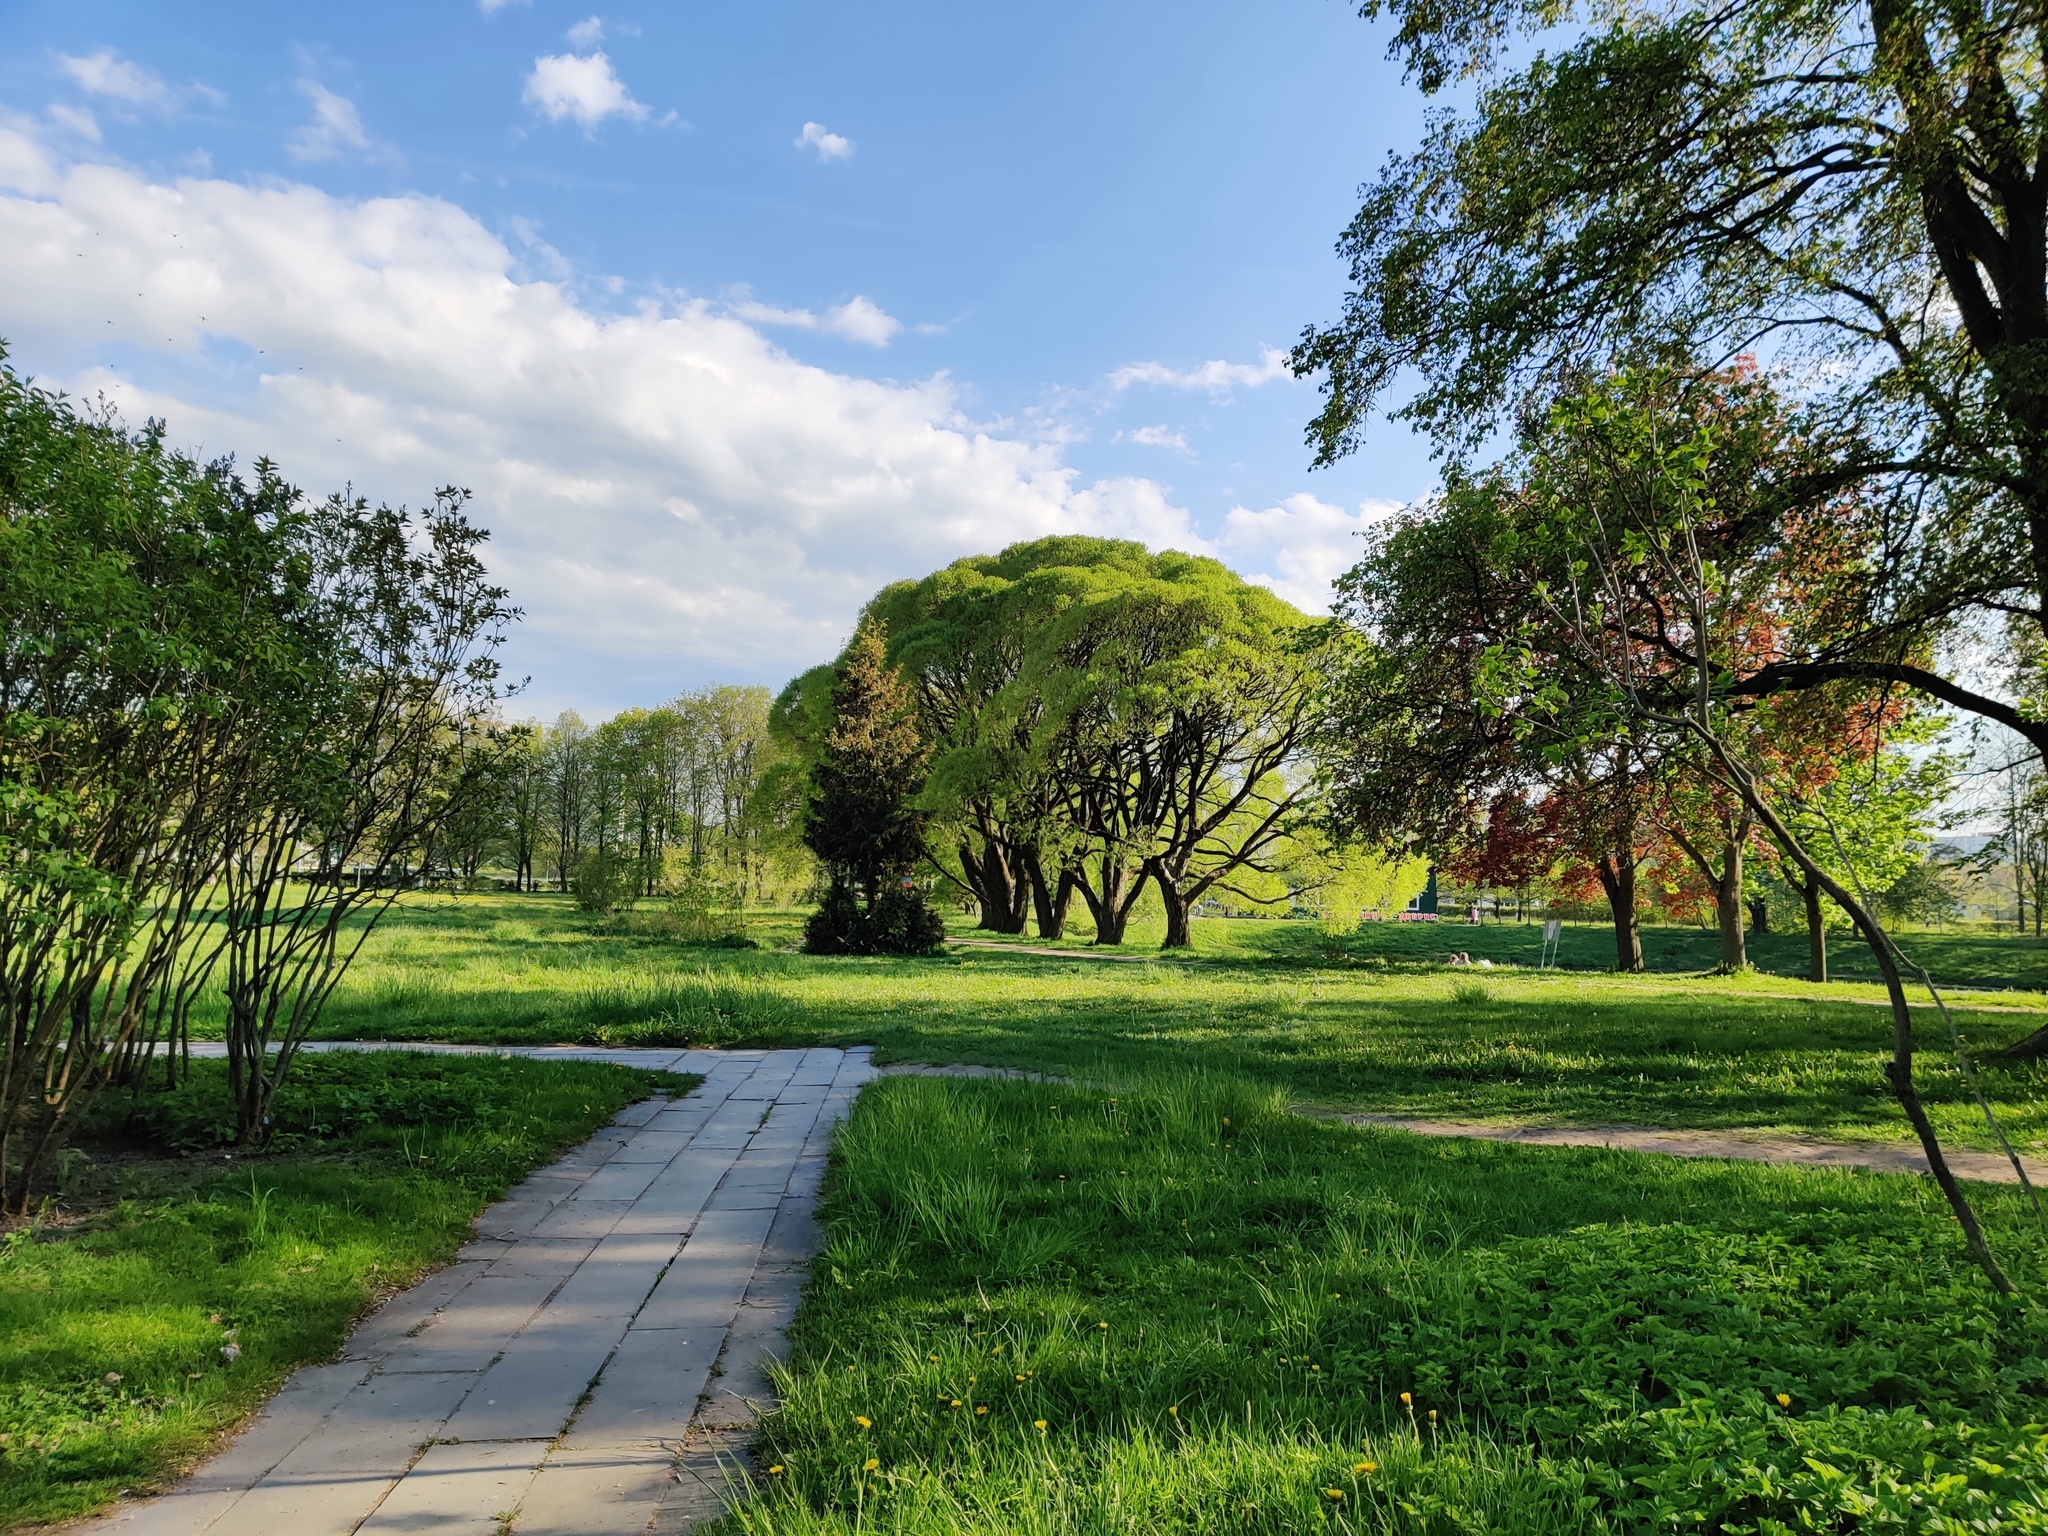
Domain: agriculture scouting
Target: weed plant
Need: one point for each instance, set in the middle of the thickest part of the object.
(1177, 1307)
(176, 1281)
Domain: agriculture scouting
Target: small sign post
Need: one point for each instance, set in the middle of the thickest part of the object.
(1553, 930)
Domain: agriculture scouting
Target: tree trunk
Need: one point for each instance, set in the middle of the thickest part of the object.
(1899, 1070)
(1179, 910)
(1816, 934)
(1759, 915)
(1618, 880)
(1048, 907)
(1728, 908)
(1111, 906)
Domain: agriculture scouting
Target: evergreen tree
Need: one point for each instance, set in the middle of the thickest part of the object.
(860, 821)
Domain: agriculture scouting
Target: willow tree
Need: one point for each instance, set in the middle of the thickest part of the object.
(1178, 706)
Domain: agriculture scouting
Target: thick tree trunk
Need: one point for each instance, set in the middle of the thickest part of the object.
(1816, 935)
(1111, 905)
(1179, 911)
(1759, 915)
(1618, 880)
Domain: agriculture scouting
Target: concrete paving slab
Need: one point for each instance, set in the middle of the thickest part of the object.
(458, 1490)
(583, 1491)
(536, 1384)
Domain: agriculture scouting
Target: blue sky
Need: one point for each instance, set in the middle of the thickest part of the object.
(727, 314)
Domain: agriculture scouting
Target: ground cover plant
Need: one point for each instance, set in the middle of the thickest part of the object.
(1172, 1305)
(1407, 1036)
(176, 1281)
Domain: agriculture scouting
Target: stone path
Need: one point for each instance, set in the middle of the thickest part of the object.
(591, 1362)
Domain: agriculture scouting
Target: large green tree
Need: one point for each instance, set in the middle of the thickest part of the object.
(1860, 191)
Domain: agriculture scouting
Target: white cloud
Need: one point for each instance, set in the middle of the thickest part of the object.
(1155, 437)
(1216, 376)
(829, 145)
(1305, 543)
(336, 128)
(75, 119)
(587, 33)
(662, 483)
(106, 73)
(860, 318)
(580, 86)
(492, 7)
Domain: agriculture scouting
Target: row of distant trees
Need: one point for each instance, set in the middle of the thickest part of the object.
(650, 797)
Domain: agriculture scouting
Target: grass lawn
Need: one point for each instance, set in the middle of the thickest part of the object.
(1383, 1032)
(1180, 1308)
(175, 1283)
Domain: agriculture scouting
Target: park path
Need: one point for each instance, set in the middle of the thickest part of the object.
(593, 1360)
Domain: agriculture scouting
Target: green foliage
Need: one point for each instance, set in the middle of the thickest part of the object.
(1215, 1310)
(379, 1165)
(605, 881)
(862, 821)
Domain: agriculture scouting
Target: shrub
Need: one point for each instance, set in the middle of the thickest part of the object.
(901, 922)
(604, 882)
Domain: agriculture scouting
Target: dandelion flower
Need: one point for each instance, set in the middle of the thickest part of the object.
(1365, 1469)
(1334, 1495)
(870, 1464)
(956, 1402)
(1407, 1400)
(863, 1421)
(1173, 1412)
(1319, 1371)
(1102, 1327)
(1784, 1400)
(1432, 1415)
(776, 1470)
(1039, 1425)
(978, 1412)
(1020, 1378)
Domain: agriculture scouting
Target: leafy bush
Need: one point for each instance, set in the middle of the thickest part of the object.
(901, 922)
(603, 882)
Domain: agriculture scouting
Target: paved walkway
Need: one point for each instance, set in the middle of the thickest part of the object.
(592, 1360)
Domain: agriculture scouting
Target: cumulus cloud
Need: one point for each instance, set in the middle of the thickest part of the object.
(105, 73)
(829, 145)
(587, 33)
(860, 318)
(336, 128)
(1155, 437)
(668, 490)
(584, 87)
(1304, 543)
(1215, 376)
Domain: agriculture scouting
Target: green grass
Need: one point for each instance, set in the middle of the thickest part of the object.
(1571, 1047)
(1227, 1319)
(121, 1305)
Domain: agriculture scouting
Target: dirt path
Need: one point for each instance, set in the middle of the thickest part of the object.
(1746, 1146)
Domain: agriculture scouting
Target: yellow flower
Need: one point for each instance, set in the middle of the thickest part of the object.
(1020, 1378)
(1334, 1495)
(863, 1422)
(1784, 1400)
(956, 1402)
(870, 1464)
(1226, 1119)
(1319, 1371)
(981, 1410)
(776, 1470)
(1365, 1469)
(1104, 1327)
(1432, 1415)
(997, 1350)
(1039, 1425)
(1173, 1412)
(1407, 1400)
